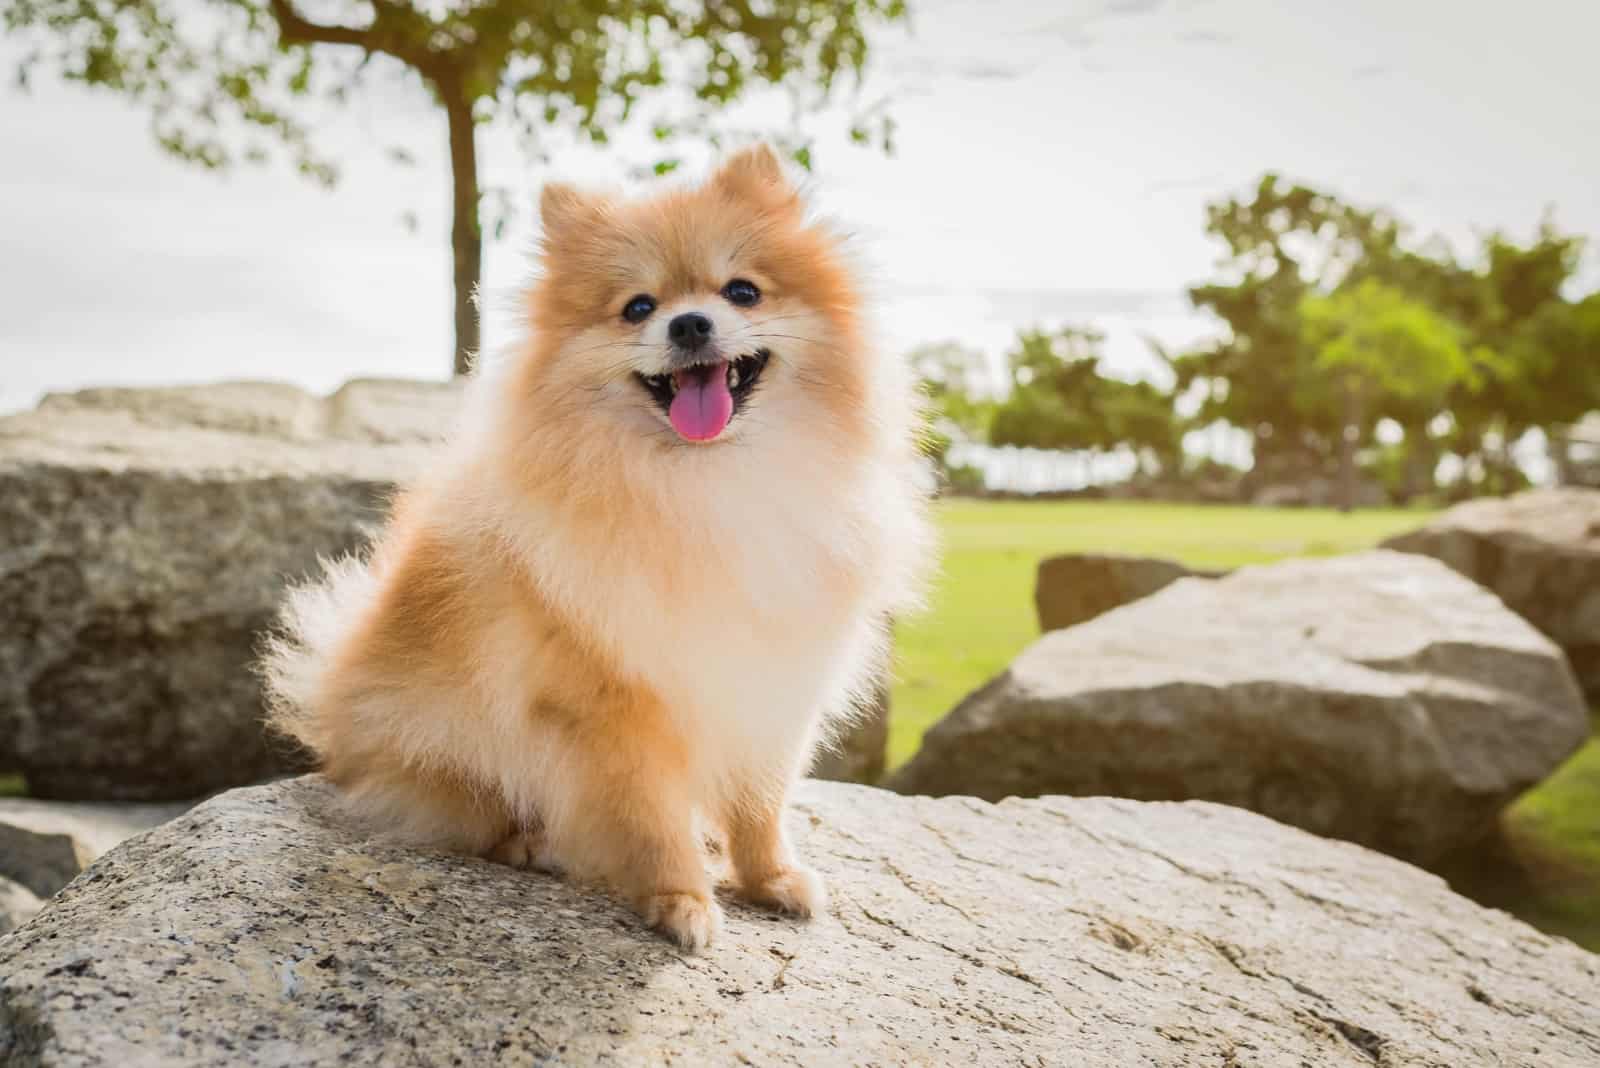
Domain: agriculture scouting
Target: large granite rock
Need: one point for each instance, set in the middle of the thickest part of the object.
(256, 930)
(1540, 551)
(145, 538)
(1075, 587)
(1378, 697)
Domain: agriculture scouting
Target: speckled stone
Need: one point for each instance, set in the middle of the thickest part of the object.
(1378, 697)
(257, 930)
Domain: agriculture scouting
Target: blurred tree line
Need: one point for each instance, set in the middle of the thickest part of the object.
(1333, 325)
(229, 81)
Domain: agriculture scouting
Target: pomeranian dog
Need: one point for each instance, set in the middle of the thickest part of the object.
(648, 577)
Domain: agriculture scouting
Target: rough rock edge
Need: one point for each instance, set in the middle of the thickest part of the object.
(1199, 934)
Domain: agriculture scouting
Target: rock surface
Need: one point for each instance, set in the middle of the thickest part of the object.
(1076, 587)
(1378, 697)
(144, 542)
(45, 844)
(1540, 552)
(256, 930)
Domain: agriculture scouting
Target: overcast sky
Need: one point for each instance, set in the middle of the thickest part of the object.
(1053, 163)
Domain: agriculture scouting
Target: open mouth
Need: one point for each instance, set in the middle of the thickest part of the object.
(702, 398)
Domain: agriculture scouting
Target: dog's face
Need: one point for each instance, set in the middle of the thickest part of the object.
(696, 317)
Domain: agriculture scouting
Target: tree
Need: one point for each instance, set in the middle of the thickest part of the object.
(951, 376)
(231, 77)
(1049, 407)
(1557, 360)
(1373, 343)
(1060, 399)
(1288, 248)
(1535, 352)
(1282, 243)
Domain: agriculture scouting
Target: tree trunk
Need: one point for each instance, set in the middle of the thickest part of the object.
(1421, 461)
(1560, 448)
(1347, 448)
(466, 235)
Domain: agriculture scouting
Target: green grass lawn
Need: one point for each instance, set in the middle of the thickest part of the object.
(1544, 863)
(1543, 866)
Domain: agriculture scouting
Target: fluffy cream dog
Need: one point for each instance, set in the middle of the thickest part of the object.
(649, 576)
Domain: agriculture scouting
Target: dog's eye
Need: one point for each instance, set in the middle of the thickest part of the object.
(639, 308)
(741, 292)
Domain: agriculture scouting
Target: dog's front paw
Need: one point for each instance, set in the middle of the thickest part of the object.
(688, 919)
(525, 848)
(796, 891)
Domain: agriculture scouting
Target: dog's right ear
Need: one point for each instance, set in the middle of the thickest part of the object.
(755, 175)
(564, 209)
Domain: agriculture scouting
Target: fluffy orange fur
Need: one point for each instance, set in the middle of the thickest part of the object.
(585, 642)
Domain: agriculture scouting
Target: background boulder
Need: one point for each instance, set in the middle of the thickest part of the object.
(256, 930)
(1540, 552)
(1378, 697)
(41, 862)
(45, 844)
(146, 537)
(18, 905)
(861, 751)
(1075, 587)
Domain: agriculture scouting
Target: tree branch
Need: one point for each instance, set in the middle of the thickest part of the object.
(392, 40)
(294, 28)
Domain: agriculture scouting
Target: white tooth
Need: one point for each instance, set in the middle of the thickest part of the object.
(733, 375)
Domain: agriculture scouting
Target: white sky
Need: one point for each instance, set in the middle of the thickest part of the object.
(1053, 163)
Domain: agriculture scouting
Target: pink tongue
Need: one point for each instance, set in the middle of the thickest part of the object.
(703, 405)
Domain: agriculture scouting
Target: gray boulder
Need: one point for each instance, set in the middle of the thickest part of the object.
(42, 863)
(45, 844)
(146, 537)
(1075, 587)
(1378, 697)
(18, 905)
(256, 930)
(1540, 552)
(859, 753)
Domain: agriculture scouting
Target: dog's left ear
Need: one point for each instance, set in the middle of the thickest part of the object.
(756, 174)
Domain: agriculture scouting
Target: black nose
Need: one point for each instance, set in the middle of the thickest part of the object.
(689, 330)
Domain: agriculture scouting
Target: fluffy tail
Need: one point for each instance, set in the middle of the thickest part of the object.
(296, 655)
